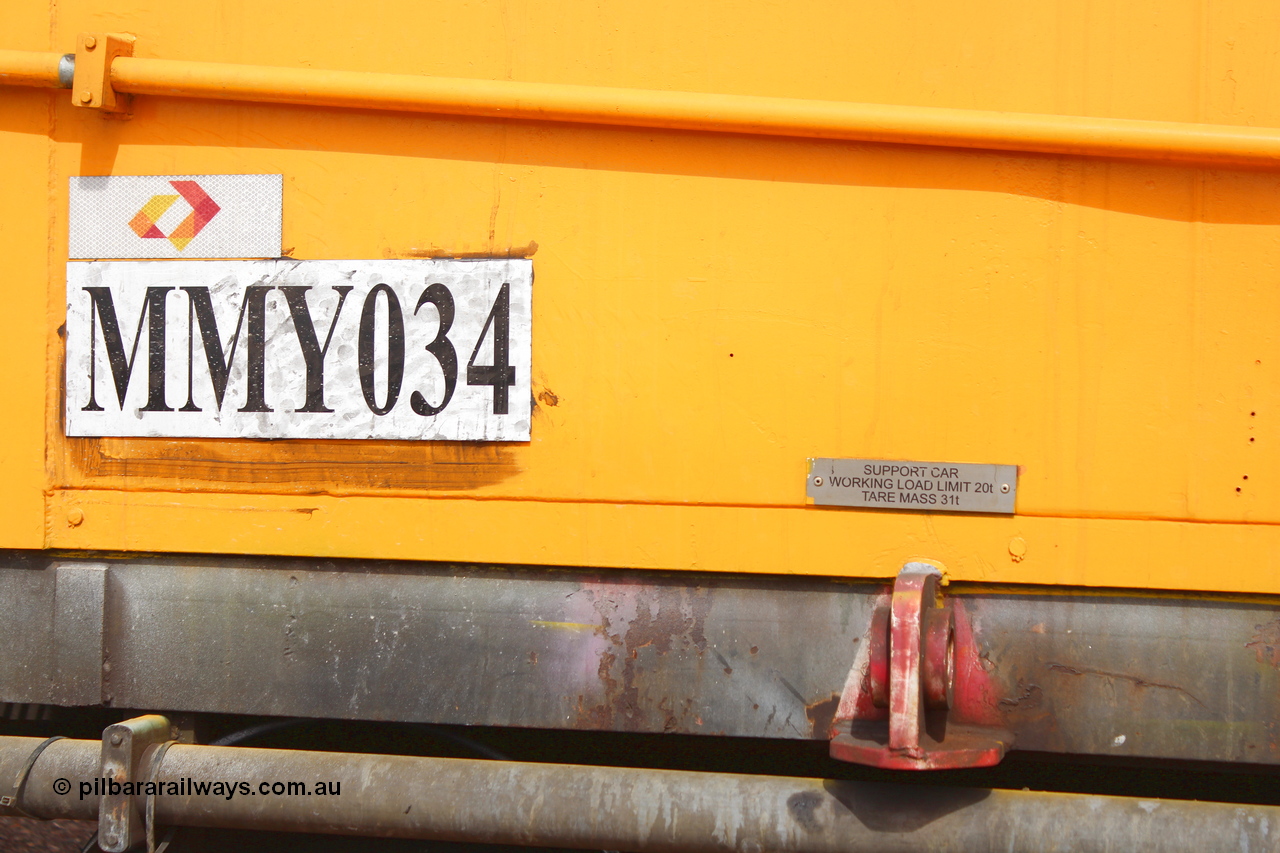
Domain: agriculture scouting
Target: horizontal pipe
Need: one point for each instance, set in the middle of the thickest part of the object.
(29, 68)
(1049, 134)
(502, 802)
(1228, 145)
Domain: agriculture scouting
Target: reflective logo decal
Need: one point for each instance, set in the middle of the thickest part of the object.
(175, 216)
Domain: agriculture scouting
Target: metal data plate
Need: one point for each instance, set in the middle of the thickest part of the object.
(927, 486)
(418, 350)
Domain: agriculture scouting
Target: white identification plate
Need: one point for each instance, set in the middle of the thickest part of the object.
(175, 216)
(411, 349)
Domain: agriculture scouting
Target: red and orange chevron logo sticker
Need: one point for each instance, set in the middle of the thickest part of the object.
(203, 209)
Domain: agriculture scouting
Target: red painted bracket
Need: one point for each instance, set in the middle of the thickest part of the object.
(910, 669)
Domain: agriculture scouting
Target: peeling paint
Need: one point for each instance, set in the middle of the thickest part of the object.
(821, 715)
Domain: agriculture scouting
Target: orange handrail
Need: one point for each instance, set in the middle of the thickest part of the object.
(27, 68)
(955, 128)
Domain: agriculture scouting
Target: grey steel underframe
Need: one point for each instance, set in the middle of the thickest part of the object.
(626, 808)
(1176, 677)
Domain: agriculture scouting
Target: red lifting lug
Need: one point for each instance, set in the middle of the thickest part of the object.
(909, 667)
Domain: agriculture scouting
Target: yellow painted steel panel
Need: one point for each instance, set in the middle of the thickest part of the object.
(709, 311)
(24, 223)
(699, 345)
(1234, 558)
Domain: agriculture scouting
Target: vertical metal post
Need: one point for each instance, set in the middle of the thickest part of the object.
(119, 823)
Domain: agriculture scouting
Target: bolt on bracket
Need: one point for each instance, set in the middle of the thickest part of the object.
(910, 669)
(91, 82)
(120, 825)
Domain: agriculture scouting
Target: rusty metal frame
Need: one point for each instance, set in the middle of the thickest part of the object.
(1087, 672)
(120, 824)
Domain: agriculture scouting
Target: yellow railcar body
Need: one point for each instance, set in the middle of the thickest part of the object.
(710, 310)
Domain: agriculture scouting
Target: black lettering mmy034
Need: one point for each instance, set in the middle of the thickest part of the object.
(337, 373)
(500, 374)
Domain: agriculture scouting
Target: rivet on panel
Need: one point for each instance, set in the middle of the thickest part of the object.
(90, 42)
(75, 516)
(116, 740)
(86, 96)
(1017, 548)
(817, 481)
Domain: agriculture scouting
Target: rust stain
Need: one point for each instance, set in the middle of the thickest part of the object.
(1265, 644)
(605, 671)
(680, 617)
(1136, 681)
(526, 251)
(548, 398)
(1029, 697)
(595, 717)
(300, 467)
(666, 618)
(821, 715)
(669, 721)
(671, 717)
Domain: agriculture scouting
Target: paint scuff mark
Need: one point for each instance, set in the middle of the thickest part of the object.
(1135, 680)
(525, 251)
